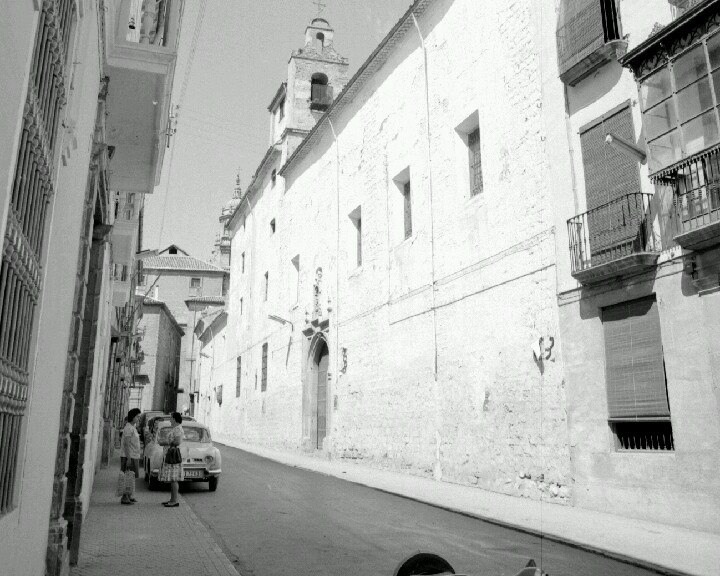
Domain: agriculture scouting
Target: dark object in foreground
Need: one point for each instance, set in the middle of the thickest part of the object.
(426, 564)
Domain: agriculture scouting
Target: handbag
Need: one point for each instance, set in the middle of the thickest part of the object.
(121, 483)
(173, 456)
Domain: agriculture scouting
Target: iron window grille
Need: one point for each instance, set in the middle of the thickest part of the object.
(475, 162)
(263, 379)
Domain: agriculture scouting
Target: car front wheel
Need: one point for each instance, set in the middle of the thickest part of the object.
(212, 483)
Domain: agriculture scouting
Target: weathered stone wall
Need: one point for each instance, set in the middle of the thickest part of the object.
(431, 363)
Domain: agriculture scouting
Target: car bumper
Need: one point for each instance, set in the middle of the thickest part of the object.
(202, 476)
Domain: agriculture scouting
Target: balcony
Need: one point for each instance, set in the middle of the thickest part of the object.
(613, 240)
(141, 41)
(696, 187)
(588, 36)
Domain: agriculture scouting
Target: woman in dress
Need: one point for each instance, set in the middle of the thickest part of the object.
(173, 473)
(130, 454)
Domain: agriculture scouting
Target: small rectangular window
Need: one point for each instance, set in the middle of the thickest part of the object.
(263, 380)
(238, 376)
(267, 282)
(195, 286)
(407, 209)
(475, 162)
(294, 285)
(272, 226)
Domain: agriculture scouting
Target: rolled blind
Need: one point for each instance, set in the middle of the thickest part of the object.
(610, 175)
(634, 365)
(580, 31)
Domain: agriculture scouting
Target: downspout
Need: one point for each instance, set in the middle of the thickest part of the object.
(337, 264)
(437, 472)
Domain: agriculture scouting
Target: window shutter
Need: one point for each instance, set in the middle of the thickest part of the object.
(580, 31)
(635, 368)
(609, 176)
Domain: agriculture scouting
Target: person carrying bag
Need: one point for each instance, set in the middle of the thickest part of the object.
(172, 469)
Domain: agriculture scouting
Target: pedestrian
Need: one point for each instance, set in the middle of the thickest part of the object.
(130, 454)
(172, 470)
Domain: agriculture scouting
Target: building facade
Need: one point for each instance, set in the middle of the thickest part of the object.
(638, 255)
(74, 82)
(158, 374)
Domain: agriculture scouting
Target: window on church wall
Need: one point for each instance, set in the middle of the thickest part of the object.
(266, 285)
(319, 41)
(238, 376)
(281, 110)
(263, 378)
(680, 104)
(356, 236)
(272, 226)
(475, 162)
(401, 208)
(242, 263)
(294, 284)
(241, 306)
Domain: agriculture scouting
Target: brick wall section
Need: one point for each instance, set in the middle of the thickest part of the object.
(438, 381)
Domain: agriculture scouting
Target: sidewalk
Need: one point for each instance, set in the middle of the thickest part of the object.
(667, 549)
(145, 538)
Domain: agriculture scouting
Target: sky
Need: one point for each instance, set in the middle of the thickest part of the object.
(240, 59)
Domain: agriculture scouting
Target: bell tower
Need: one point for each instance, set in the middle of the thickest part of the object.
(316, 75)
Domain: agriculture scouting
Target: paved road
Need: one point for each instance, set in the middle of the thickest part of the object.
(274, 520)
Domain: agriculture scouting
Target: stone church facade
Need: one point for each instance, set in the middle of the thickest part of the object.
(393, 293)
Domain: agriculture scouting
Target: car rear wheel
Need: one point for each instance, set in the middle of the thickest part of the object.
(212, 483)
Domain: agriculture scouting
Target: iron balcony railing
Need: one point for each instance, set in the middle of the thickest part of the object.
(620, 228)
(697, 193)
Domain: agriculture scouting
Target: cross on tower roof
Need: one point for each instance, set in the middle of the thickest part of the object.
(320, 6)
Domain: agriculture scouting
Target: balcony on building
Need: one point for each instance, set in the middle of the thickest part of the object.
(678, 72)
(588, 36)
(614, 240)
(141, 51)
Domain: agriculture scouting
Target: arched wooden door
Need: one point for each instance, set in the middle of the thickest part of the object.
(323, 358)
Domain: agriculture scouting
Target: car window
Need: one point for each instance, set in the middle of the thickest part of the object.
(191, 434)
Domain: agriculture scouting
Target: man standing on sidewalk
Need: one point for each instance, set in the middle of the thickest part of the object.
(130, 454)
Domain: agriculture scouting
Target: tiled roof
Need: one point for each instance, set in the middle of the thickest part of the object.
(219, 300)
(179, 263)
(152, 301)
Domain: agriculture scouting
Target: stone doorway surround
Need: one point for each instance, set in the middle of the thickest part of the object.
(316, 338)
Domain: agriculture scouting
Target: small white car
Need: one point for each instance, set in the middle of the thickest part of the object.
(201, 459)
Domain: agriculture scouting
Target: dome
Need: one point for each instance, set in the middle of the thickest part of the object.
(320, 23)
(230, 206)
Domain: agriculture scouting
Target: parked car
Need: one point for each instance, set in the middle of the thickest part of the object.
(201, 459)
(153, 421)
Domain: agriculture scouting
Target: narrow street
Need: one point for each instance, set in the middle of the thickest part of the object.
(274, 520)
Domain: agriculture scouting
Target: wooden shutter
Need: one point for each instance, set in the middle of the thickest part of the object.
(610, 176)
(407, 209)
(263, 380)
(579, 33)
(634, 364)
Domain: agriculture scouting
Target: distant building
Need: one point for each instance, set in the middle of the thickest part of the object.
(158, 374)
(174, 277)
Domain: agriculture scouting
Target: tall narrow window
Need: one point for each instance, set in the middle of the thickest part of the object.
(294, 284)
(241, 306)
(281, 110)
(320, 92)
(195, 286)
(638, 407)
(475, 162)
(238, 376)
(263, 380)
(242, 263)
(407, 209)
(272, 226)
(356, 219)
(265, 288)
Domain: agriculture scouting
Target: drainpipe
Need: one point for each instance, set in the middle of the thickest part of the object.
(337, 264)
(437, 472)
